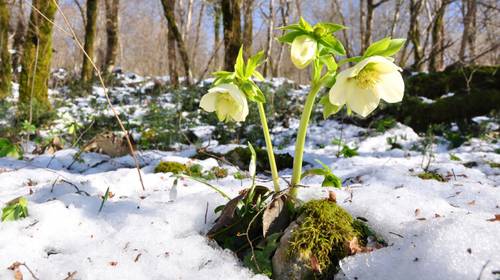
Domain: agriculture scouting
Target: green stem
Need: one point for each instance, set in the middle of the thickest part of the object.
(301, 137)
(269, 146)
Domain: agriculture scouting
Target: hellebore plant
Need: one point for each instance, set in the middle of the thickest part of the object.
(360, 87)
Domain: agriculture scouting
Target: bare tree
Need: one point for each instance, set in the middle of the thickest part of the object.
(285, 13)
(197, 32)
(169, 8)
(248, 27)
(414, 34)
(395, 18)
(5, 63)
(269, 45)
(111, 34)
(90, 32)
(217, 26)
(37, 56)
(18, 40)
(469, 9)
(370, 10)
(231, 15)
(436, 56)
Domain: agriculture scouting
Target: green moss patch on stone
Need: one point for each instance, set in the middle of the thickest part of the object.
(325, 230)
(171, 166)
(429, 175)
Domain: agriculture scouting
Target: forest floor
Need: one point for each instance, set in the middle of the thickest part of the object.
(447, 228)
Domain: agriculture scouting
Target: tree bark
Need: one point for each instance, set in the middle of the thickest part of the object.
(231, 16)
(436, 59)
(5, 61)
(37, 55)
(395, 18)
(414, 34)
(111, 34)
(90, 32)
(370, 10)
(267, 71)
(248, 27)
(285, 13)
(217, 25)
(18, 41)
(469, 9)
(169, 8)
(197, 32)
(362, 25)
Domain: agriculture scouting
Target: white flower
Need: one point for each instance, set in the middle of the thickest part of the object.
(362, 86)
(303, 51)
(228, 102)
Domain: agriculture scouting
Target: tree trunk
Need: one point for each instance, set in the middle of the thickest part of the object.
(232, 31)
(469, 8)
(169, 8)
(18, 41)
(111, 34)
(267, 71)
(187, 29)
(362, 25)
(414, 34)
(37, 55)
(5, 63)
(436, 59)
(337, 8)
(370, 10)
(217, 18)
(197, 32)
(395, 17)
(285, 13)
(90, 32)
(248, 27)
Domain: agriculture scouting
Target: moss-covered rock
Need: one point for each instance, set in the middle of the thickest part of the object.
(171, 166)
(429, 175)
(313, 245)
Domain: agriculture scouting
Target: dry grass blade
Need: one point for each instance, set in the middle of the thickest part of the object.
(101, 80)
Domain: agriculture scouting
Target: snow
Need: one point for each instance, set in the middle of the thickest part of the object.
(435, 230)
(160, 233)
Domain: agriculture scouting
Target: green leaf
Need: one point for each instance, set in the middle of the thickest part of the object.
(294, 26)
(330, 63)
(290, 36)
(254, 62)
(239, 67)
(331, 43)
(15, 210)
(331, 27)
(305, 25)
(8, 149)
(394, 47)
(258, 75)
(354, 59)
(328, 108)
(329, 179)
(104, 199)
(377, 47)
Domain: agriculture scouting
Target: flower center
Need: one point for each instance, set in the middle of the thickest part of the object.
(225, 106)
(367, 78)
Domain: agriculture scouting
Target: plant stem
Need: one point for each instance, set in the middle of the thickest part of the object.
(269, 146)
(301, 137)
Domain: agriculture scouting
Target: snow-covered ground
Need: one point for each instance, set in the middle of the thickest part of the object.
(434, 230)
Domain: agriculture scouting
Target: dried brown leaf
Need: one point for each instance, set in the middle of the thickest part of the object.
(496, 219)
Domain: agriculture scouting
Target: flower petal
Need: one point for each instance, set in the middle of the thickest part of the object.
(338, 92)
(362, 101)
(208, 101)
(391, 87)
(303, 51)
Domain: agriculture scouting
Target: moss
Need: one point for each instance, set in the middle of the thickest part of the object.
(171, 166)
(429, 175)
(323, 233)
(37, 55)
(219, 172)
(5, 61)
(494, 164)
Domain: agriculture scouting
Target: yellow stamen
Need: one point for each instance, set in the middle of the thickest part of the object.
(367, 78)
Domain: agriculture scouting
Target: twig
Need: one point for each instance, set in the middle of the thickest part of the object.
(206, 213)
(482, 270)
(70, 275)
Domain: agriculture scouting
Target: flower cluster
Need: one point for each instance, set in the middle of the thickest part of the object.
(360, 88)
